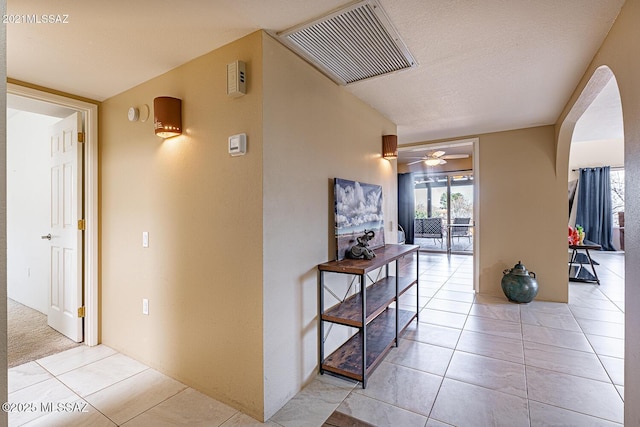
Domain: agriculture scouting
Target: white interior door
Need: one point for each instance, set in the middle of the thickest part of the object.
(65, 236)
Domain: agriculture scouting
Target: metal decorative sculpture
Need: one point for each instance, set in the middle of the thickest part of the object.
(361, 250)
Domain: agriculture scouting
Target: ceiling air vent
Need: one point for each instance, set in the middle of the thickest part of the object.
(351, 44)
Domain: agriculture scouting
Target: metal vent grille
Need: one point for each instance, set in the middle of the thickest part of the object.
(352, 44)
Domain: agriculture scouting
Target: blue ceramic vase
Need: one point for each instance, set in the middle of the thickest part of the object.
(519, 285)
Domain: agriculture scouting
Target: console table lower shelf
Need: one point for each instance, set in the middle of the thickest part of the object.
(381, 335)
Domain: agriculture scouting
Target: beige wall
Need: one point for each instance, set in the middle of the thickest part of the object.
(520, 202)
(523, 210)
(619, 52)
(202, 272)
(314, 131)
(230, 271)
(586, 154)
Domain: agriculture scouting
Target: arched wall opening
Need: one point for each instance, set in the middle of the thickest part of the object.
(619, 53)
(602, 79)
(597, 150)
(596, 84)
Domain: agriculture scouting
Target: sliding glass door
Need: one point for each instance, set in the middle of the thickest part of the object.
(444, 212)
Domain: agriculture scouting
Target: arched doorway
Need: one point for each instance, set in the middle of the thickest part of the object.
(592, 136)
(597, 143)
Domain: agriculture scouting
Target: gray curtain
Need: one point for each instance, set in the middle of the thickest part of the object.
(594, 206)
(406, 205)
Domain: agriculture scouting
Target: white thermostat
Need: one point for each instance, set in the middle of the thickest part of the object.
(238, 144)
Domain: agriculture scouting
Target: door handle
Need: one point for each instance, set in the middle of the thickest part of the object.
(47, 237)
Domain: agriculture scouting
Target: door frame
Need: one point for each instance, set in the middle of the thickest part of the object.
(90, 253)
(475, 143)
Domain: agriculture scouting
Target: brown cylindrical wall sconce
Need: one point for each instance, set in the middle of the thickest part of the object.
(390, 146)
(167, 116)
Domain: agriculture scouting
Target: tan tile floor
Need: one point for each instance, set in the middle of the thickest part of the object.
(470, 361)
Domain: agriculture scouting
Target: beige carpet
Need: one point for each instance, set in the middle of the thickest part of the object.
(29, 336)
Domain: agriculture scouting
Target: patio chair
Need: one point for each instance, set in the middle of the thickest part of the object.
(401, 236)
(430, 228)
(461, 230)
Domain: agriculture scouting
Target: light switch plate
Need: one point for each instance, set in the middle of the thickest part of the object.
(145, 239)
(145, 306)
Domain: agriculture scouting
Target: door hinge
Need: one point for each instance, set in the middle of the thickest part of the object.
(80, 137)
(81, 311)
(82, 224)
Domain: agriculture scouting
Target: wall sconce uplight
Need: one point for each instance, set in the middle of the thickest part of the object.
(167, 116)
(390, 146)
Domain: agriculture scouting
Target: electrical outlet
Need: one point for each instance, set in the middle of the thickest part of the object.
(145, 306)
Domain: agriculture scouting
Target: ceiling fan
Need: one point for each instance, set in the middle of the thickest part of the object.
(437, 158)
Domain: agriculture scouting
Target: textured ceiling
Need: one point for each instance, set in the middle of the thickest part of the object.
(484, 65)
(603, 118)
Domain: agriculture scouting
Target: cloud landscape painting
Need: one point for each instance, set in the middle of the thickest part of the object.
(358, 207)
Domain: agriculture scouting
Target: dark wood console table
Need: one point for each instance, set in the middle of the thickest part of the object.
(367, 310)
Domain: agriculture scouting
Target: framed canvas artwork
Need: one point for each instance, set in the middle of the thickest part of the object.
(358, 207)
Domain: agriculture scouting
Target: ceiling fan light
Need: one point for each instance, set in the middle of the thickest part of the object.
(432, 162)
